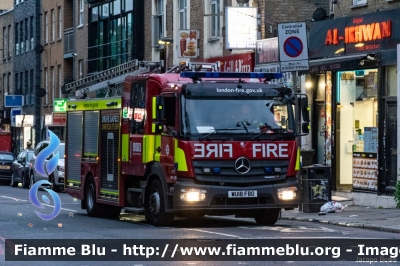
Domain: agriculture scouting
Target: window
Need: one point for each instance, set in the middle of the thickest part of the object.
(21, 37)
(8, 83)
(215, 19)
(158, 22)
(31, 86)
(359, 2)
(31, 33)
(59, 80)
(46, 28)
(128, 5)
(60, 23)
(53, 26)
(80, 68)
(182, 15)
(9, 41)
(26, 35)
(16, 39)
(81, 10)
(46, 82)
(5, 42)
(53, 84)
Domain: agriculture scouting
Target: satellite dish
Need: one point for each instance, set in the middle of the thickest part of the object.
(319, 14)
(68, 79)
(39, 49)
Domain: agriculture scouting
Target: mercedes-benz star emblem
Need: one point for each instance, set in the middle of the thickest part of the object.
(242, 165)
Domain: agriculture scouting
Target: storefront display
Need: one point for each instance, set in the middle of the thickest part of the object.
(365, 171)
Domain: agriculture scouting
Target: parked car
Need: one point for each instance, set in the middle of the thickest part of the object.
(57, 177)
(20, 169)
(6, 160)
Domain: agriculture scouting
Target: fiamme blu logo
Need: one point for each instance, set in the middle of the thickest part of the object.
(45, 164)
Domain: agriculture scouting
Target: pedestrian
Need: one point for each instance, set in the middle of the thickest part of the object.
(28, 145)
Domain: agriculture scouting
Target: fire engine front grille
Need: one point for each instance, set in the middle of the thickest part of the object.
(264, 199)
(228, 174)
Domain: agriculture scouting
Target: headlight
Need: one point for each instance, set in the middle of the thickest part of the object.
(193, 194)
(287, 193)
(60, 168)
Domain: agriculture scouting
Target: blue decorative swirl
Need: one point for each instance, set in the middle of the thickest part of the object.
(35, 201)
(45, 153)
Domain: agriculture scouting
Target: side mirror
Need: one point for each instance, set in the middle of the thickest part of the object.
(305, 128)
(158, 108)
(305, 110)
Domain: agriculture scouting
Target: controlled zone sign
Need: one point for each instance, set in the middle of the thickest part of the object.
(293, 48)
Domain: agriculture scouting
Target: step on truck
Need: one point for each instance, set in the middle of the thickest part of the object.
(181, 143)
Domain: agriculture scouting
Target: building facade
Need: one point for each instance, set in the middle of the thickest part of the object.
(353, 80)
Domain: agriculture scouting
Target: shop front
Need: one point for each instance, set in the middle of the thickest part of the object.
(353, 72)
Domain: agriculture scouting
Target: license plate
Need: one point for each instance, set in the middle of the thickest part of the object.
(242, 194)
(4, 167)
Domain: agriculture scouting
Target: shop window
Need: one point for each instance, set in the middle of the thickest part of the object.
(391, 81)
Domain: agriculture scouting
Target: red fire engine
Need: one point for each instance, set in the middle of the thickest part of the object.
(189, 142)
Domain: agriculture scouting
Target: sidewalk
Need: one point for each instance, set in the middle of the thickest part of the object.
(387, 220)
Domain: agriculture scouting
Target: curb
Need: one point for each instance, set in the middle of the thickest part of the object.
(355, 225)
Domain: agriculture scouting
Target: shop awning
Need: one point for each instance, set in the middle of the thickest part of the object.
(336, 63)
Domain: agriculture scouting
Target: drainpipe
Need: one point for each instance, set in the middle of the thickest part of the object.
(38, 70)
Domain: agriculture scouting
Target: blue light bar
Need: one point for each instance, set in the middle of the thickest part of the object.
(250, 75)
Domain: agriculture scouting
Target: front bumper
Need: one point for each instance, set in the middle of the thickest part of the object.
(217, 197)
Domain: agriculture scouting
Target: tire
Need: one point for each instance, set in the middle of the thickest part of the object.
(93, 208)
(267, 217)
(13, 183)
(24, 183)
(53, 185)
(31, 180)
(155, 211)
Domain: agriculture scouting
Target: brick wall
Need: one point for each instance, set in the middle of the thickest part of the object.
(372, 5)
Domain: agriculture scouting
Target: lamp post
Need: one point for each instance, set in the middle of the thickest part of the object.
(166, 41)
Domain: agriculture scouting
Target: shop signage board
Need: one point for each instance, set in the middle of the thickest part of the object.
(235, 63)
(59, 119)
(267, 51)
(13, 101)
(188, 43)
(293, 48)
(60, 105)
(366, 33)
(24, 121)
(241, 27)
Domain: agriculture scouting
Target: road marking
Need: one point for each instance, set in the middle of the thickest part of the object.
(13, 198)
(292, 229)
(215, 233)
(61, 208)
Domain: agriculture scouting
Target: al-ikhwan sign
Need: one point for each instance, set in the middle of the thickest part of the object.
(360, 33)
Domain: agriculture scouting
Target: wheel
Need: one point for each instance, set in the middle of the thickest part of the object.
(24, 183)
(31, 180)
(92, 207)
(155, 211)
(53, 184)
(13, 183)
(267, 217)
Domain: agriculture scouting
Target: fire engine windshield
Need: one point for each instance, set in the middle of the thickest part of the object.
(233, 116)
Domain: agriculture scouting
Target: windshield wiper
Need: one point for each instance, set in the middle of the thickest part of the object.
(219, 129)
(268, 129)
(244, 124)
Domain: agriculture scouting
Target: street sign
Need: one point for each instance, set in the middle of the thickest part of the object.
(293, 48)
(13, 113)
(13, 101)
